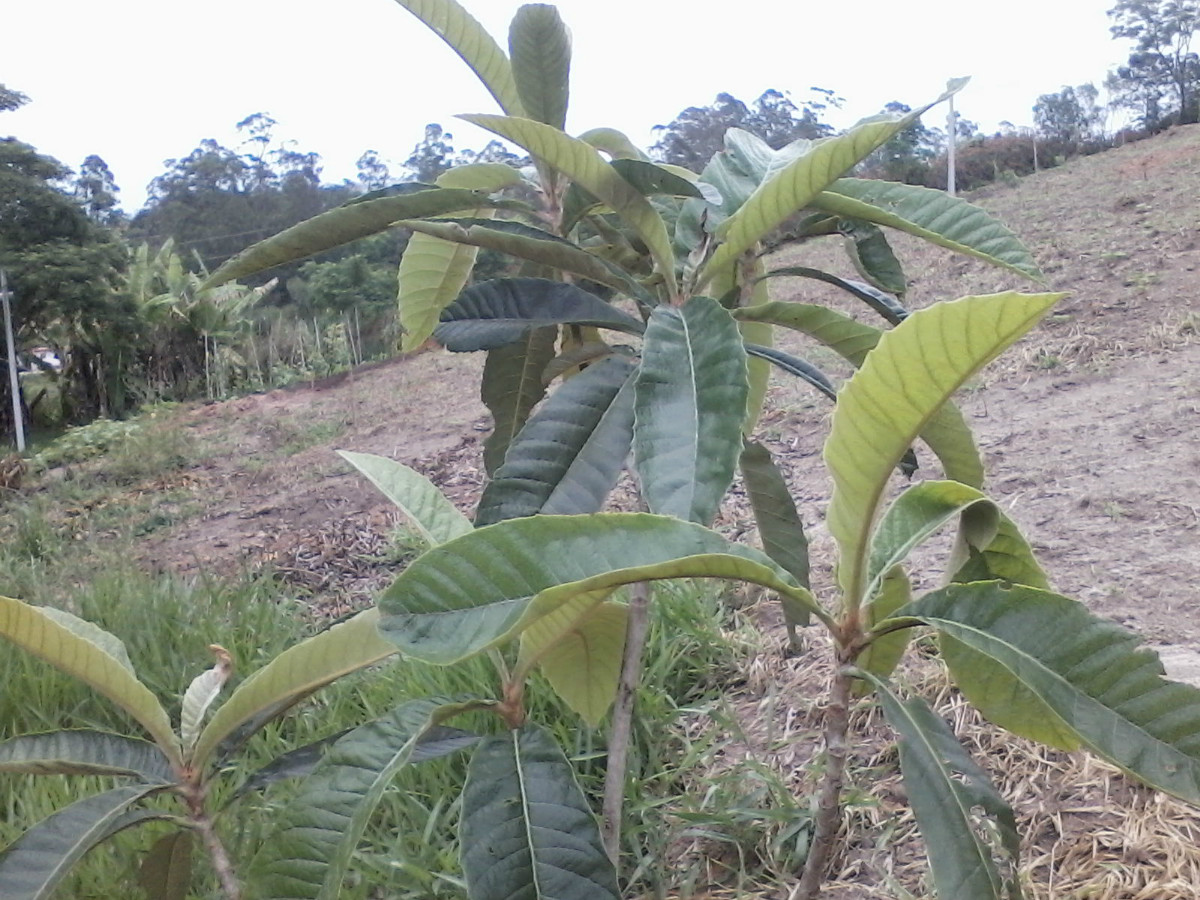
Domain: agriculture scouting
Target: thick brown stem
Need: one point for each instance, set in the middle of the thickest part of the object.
(221, 862)
(837, 724)
(622, 720)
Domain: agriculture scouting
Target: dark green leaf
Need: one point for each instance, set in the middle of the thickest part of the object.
(495, 313)
(872, 256)
(539, 47)
(945, 789)
(884, 304)
(649, 179)
(293, 764)
(341, 226)
(166, 869)
(85, 752)
(486, 587)
(794, 365)
(527, 830)
(568, 456)
(1090, 676)
(319, 829)
(690, 401)
(512, 386)
(38, 860)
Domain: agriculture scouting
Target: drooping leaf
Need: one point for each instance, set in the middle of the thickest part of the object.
(31, 629)
(690, 402)
(1092, 678)
(570, 453)
(884, 304)
(342, 225)
(533, 244)
(166, 869)
(466, 37)
(487, 586)
(913, 370)
(426, 508)
(200, 696)
(511, 387)
(33, 865)
(581, 655)
(791, 187)
(935, 216)
(85, 752)
(794, 365)
(1007, 557)
(294, 674)
(585, 166)
(527, 830)
(495, 313)
(320, 828)
(613, 142)
(539, 48)
(946, 788)
(917, 514)
(872, 256)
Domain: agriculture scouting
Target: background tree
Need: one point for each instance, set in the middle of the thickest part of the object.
(1072, 116)
(1162, 71)
(10, 99)
(96, 190)
(373, 172)
(431, 156)
(909, 155)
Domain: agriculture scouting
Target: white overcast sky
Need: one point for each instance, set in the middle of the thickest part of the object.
(141, 81)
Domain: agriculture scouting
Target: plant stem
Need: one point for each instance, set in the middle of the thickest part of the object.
(622, 721)
(203, 823)
(837, 724)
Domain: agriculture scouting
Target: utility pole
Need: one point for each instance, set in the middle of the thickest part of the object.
(952, 139)
(14, 381)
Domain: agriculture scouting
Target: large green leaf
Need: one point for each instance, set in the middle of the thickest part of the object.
(932, 215)
(426, 508)
(581, 655)
(1091, 676)
(533, 244)
(318, 831)
(799, 176)
(527, 830)
(90, 631)
(539, 48)
(512, 385)
(873, 257)
(31, 629)
(166, 869)
(690, 401)
(33, 865)
(584, 165)
(293, 675)
(913, 370)
(1007, 557)
(570, 453)
(85, 752)
(466, 37)
(342, 225)
(950, 795)
(495, 313)
(778, 521)
(479, 590)
(916, 515)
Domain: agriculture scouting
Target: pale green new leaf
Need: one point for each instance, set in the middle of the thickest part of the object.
(488, 586)
(1007, 557)
(1091, 676)
(319, 830)
(916, 515)
(480, 177)
(913, 370)
(932, 215)
(33, 865)
(432, 273)
(527, 830)
(31, 629)
(791, 187)
(690, 403)
(584, 165)
(293, 675)
(200, 695)
(946, 789)
(342, 225)
(539, 49)
(85, 752)
(570, 453)
(427, 509)
(466, 37)
(511, 387)
(581, 655)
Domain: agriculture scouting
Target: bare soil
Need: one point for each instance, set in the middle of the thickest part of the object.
(1091, 429)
